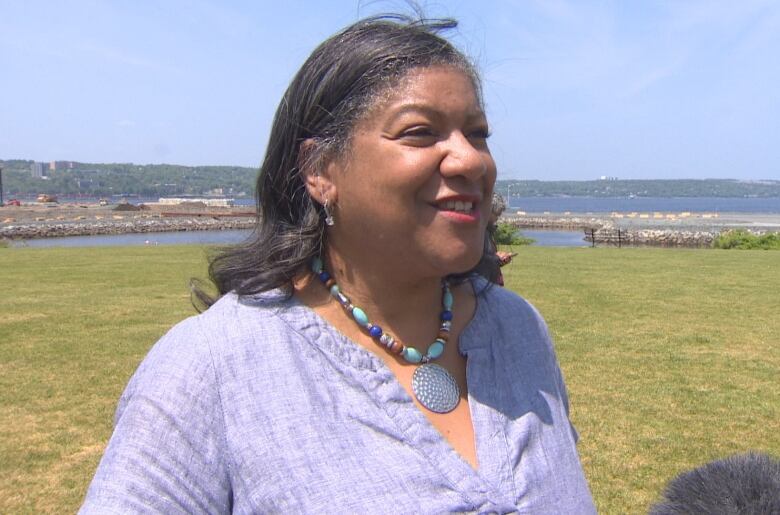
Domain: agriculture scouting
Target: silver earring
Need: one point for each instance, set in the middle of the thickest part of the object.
(328, 215)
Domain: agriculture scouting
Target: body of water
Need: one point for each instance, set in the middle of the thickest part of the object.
(557, 238)
(644, 204)
(543, 238)
(528, 204)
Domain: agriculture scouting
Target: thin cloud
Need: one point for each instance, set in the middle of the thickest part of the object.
(124, 58)
(639, 84)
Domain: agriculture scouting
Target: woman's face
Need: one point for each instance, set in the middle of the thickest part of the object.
(413, 194)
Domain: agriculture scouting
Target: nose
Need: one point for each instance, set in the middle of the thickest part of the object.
(462, 157)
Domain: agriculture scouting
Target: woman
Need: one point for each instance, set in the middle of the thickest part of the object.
(354, 363)
(503, 257)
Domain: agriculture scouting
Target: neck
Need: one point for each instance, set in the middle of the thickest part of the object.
(392, 298)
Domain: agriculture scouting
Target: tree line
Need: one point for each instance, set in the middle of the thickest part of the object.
(105, 179)
(157, 180)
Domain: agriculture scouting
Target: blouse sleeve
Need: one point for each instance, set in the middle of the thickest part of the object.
(560, 384)
(167, 453)
(565, 398)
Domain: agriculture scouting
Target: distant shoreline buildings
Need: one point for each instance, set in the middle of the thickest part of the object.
(61, 165)
(40, 170)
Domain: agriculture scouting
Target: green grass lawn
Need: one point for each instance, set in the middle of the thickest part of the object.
(672, 357)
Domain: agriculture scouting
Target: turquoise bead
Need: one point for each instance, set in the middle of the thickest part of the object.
(316, 265)
(334, 290)
(360, 316)
(412, 355)
(447, 300)
(435, 350)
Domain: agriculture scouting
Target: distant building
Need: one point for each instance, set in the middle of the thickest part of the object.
(39, 170)
(60, 165)
(608, 178)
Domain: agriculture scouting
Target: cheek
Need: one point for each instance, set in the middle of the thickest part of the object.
(387, 180)
(490, 166)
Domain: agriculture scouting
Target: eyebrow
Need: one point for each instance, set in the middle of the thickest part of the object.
(430, 111)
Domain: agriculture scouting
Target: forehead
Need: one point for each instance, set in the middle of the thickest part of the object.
(437, 88)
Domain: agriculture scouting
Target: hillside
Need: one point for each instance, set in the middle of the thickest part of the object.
(153, 180)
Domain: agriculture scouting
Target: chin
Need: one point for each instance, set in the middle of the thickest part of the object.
(462, 262)
(448, 253)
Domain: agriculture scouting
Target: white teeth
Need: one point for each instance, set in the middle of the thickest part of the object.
(458, 205)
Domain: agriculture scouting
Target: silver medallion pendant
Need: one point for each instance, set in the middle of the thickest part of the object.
(435, 388)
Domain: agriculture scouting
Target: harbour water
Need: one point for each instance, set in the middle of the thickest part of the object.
(770, 205)
(766, 207)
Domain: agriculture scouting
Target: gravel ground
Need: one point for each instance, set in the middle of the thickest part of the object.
(59, 213)
(41, 213)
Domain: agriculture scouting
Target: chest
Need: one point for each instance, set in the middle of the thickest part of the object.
(341, 441)
(455, 426)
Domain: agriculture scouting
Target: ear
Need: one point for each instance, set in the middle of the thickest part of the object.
(317, 173)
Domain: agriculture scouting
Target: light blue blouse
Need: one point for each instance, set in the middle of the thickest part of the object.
(259, 405)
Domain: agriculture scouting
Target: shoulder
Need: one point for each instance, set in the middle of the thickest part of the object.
(511, 327)
(188, 358)
(502, 307)
(230, 322)
(175, 375)
(514, 333)
(167, 453)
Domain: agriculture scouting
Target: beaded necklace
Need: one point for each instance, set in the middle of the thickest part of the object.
(433, 385)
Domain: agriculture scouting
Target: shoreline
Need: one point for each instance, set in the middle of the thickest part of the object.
(29, 222)
(657, 229)
(693, 230)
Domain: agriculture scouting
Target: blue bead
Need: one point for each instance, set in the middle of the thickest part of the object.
(360, 316)
(436, 349)
(375, 331)
(446, 315)
(412, 355)
(447, 300)
(316, 265)
(324, 276)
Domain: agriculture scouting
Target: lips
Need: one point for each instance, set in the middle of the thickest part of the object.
(460, 208)
(456, 205)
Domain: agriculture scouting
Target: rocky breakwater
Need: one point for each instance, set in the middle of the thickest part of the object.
(632, 229)
(610, 235)
(116, 224)
(555, 222)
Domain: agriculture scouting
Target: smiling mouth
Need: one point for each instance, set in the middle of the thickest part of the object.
(459, 206)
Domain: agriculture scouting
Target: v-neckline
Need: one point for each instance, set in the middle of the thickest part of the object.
(408, 418)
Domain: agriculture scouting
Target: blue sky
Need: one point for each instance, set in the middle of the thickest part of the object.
(574, 90)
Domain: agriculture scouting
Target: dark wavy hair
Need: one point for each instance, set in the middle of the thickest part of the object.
(340, 81)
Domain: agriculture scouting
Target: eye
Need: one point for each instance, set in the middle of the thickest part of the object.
(419, 135)
(480, 133)
(419, 131)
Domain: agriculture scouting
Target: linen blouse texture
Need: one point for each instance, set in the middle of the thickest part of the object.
(259, 405)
